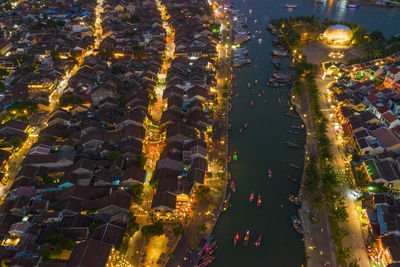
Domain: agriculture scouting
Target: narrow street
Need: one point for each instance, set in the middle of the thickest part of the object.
(33, 132)
(355, 240)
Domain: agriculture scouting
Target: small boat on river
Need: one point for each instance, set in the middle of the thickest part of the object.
(294, 166)
(291, 144)
(292, 131)
(259, 201)
(235, 239)
(292, 115)
(245, 125)
(236, 95)
(294, 199)
(291, 178)
(296, 127)
(246, 238)
(279, 53)
(251, 198)
(269, 173)
(297, 225)
(251, 104)
(291, 6)
(226, 202)
(353, 6)
(258, 241)
(233, 186)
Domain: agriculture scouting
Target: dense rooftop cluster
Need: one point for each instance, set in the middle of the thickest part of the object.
(183, 163)
(370, 111)
(69, 202)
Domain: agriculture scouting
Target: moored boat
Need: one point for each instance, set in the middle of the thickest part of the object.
(269, 173)
(291, 178)
(291, 144)
(294, 166)
(259, 201)
(296, 127)
(279, 53)
(233, 186)
(235, 238)
(353, 6)
(294, 199)
(226, 202)
(258, 241)
(297, 225)
(292, 131)
(246, 238)
(291, 6)
(251, 198)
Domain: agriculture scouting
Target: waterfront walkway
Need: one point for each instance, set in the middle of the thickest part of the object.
(319, 248)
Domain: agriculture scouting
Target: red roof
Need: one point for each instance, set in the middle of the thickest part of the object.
(372, 98)
(346, 128)
(383, 110)
(389, 116)
(394, 70)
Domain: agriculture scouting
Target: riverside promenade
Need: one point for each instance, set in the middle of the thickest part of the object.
(318, 241)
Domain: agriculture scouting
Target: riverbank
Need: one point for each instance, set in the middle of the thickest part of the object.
(315, 239)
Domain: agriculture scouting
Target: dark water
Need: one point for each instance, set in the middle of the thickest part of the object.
(261, 146)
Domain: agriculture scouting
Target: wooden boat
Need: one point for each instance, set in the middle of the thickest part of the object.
(296, 127)
(291, 178)
(294, 166)
(292, 114)
(291, 144)
(291, 6)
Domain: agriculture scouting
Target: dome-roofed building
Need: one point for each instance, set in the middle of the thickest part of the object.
(337, 34)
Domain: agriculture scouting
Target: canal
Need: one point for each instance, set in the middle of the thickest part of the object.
(262, 145)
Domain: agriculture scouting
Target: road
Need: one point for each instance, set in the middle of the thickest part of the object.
(355, 240)
(317, 237)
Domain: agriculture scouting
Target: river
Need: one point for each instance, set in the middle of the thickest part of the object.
(262, 145)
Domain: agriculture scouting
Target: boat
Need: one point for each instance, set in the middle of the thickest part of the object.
(291, 6)
(294, 166)
(291, 131)
(294, 199)
(206, 262)
(296, 127)
(297, 225)
(240, 130)
(291, 178)
(258, 241)
(251, 104)
(233, 186)
(269, 173)
(292, 115)
(291, 144)
(353, 6)
(235, 156)
(246, 238)
(226, 202)
(259, 201)
(251, 198)
(235, 239)
(279, 53)
(245, 125)
(236, 95)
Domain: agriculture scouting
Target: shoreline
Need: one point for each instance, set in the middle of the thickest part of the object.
(311, 231)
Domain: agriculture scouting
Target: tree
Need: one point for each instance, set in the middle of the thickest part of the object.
(136, 192)
(202, 227)
(155, 229)
(377, 36)
(178, 230)
(114, 155)
(71, 100)
(3, 73)
(141, 159)
(202, 191)
(132, 228)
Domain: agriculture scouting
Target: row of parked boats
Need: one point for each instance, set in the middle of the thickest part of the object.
(206, 252)
(241, 35)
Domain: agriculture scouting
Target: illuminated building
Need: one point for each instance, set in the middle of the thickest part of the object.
(337, 35)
